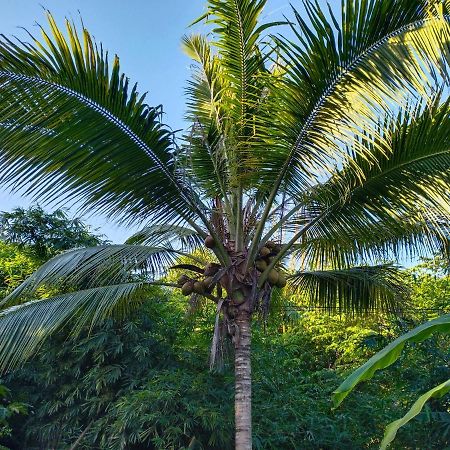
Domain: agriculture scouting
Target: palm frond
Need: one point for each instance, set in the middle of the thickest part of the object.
(205, 155)
(237, 34)
(398, 200)
(236, 24)
(341, 77)
(167, 235)
(356, 289)
(96, 266)
(63, 108)
(207, 86)
(24, 327)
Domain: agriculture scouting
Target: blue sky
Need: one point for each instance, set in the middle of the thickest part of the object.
(145, 34)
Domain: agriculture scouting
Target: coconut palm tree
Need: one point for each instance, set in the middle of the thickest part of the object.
(324, 139)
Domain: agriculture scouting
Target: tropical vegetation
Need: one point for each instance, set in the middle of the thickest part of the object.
(141, 383)
(321, 142)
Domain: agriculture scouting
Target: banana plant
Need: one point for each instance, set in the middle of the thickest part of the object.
(389, 355)
(322, 140)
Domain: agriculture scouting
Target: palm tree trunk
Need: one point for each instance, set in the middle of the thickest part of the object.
(243, 383)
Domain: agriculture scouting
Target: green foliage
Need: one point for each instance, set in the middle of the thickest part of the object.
(128, 382)
(142, 384)
(390, 354)
(430, 282)
(15, 265)
(8, 409)
(392, 429)
(45, 234)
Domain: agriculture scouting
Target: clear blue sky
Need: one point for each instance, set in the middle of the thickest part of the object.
(145, 34)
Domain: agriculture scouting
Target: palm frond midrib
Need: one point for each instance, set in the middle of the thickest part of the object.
(94, 106)
(348, 68)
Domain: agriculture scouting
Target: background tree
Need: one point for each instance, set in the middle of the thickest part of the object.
(46, 234)
(330, 146)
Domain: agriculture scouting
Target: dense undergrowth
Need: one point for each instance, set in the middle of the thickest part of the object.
(144, 384)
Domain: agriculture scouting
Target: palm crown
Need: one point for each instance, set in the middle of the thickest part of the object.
(330, 146)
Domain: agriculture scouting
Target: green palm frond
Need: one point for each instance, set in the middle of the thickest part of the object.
(25, 327)
(340, 77)
(205, 152)
(356, 289)
(236, 24)
(409, 240)
(237, 35)
(96, 266)
(63, 107)
(207, 87)
(399, 198)
(167, 235)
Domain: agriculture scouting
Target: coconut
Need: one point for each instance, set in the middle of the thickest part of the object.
(265, 251)
(270, 245)
(238, 297)
(273, 246)
(276, 249)
(208, 281)
(199, 287)
(210, 242)
(182, 279)
(211, 269)
(261, 265)
(281, 283)
(273, 277)
(187, 288)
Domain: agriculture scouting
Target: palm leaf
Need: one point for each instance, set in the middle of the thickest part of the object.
(205, 154)
(237, 35)
(167, 235)
(63, 108)
(337, 79)
(357, 289)
(96, 266)
(25, 327)
(389, 355)
(398, 200)
(341, 77)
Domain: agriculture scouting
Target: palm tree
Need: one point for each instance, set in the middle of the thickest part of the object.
(327, 144)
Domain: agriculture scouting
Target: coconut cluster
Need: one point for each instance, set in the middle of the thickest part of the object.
(200, 285)
(264, 258)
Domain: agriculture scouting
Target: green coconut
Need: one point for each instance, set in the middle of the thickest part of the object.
(270, 244)
(273, 246)
(276, 249)
(238, 297)
(187, 288)
(199, 287)
(182, 279)
(281, 283)
(273, 277)
(261, 265)
(210, 242)
(211, 269)
(264, 252)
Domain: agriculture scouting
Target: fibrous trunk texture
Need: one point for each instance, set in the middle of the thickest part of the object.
(243, 383)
